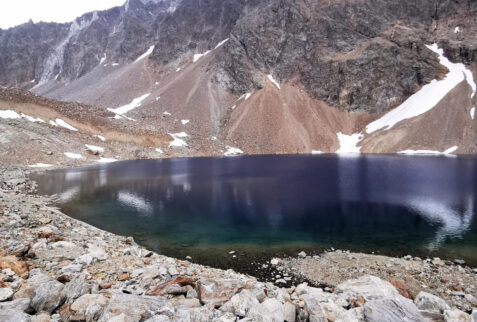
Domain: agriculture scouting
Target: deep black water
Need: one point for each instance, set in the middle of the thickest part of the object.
(264, 205)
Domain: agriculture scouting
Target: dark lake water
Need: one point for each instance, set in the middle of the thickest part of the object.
(267, 205)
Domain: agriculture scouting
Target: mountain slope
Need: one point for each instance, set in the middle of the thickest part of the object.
(270, 76)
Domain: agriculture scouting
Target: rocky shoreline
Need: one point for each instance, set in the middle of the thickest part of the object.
(55, 268)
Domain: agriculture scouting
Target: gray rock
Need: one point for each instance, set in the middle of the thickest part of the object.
(136, 308)
(289, 312)
(474, 316)
(9, 315)
(270, 309)
(202, 314)
(218, 291)
(5, 294)
(47, 297)
(456, 315)
(41, 317)
(369, 287)
(82, 303)
(428, 302)
(392, 309)
(243, 302)
(75, 288)
(313, 308)
(17, 305)
(159, 318)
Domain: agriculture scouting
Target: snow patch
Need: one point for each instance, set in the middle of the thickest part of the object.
(61, 123)
(232, 151)
(159, 151)
(247, 96)
(147, 53)
(94, 149)
(73, 155)
(316, 152)
(178, 139)
(348, 142)
(102, 138)
(103, 59)
(457, 29)
(166, 113)
(114, 64)
(184, 122)
(429, 152)
(428, 96)
(221, 43)
(234, 107)
(472, 112)
(271, 79)
(32, 119)
(199, 56)
(40, 165)
(9, 114)
(106, 160)
(129, 107)
(178, 69)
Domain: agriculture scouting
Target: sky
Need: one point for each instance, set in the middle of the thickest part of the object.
(16, 12)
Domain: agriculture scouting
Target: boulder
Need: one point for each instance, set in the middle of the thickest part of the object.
(82, 303)
(41, 317)
(135, 308)
(270, 310)
(9, 315)
(202, 314)
(6, 293)
(289, 312)
(369, 287)
(456, 315)
(47, 297)
(159, 318)
(428, 302)
(11, 262)
(75, 288)
(243, 302)
(17, 305)
(474, 316)
(313, 308)
(392, 309)
(218, 291)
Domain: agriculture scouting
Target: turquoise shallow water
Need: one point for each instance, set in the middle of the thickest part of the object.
(259, 205)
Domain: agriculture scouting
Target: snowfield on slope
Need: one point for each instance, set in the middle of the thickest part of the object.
(178, 139)
(348, 143)
(129, 107)
(428, 96)
(232, 151)
(61, 123)
(429, 152)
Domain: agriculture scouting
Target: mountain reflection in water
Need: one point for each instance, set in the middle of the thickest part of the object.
(404, 204)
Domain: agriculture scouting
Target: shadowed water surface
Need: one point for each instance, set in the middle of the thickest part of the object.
(204, 207)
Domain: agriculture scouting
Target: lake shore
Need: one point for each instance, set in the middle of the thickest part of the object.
(56, 268)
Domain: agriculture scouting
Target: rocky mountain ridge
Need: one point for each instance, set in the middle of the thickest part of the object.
(312, 70)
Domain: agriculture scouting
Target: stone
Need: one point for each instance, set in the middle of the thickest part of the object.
(185, 302)
(428, 302)
(401, 288)
(162, 288)
(124, 277)
(391, 309)
(313, 308)
(474, 315)
(47, 297)
(75, 288)
(302, 254)
(135, 308)
(274, 261)
(217, 292)
(243, 302)
(11, 262)
(175, 289)
(16, 305)
(459, 261)
(84, 301)
(369, 287)
(289, 312)
(41, 317)
(85, 260)
(6, 293)
(201, 314)
(456, 315)
(9, 315)
(159, 318)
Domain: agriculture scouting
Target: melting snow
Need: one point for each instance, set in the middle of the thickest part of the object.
(178, 139)
(221, 43)
(159, 151)
(147, 53)
(73, 155)
(106, 160)
(316, 152)
(103, 59)
(472, 112)
(428, 96)
(60, 122)
(94, 148)
(270, 78)
(102, 138)
(32, 119)
(457, 29)
(184, 122)
(40, 165)
(232, 151)
(247, 96)
(199, 56)
(429, 152)
(129, 107)
(348, 142)
(9, 114)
